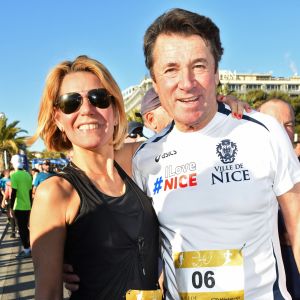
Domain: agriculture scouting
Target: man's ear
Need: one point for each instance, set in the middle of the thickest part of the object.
(154, 86)
(149, 119)
(217, 78)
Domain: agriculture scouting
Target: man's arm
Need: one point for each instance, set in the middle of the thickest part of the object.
(70, 279)
(13, 197)
(33, 192)
(290, 208)
(35, 184)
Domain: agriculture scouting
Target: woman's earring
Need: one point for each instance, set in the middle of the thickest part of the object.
(64, 136)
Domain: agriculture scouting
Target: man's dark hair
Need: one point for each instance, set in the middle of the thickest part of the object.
(186, 23)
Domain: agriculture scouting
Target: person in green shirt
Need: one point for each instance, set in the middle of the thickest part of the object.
(21, 183)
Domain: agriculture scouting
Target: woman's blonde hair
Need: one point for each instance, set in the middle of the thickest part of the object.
(47, 130)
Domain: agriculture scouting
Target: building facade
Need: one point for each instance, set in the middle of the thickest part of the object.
(242, 83)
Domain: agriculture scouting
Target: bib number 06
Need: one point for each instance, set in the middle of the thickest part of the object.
(208, 280)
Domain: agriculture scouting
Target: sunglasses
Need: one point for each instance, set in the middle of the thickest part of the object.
(71, 102)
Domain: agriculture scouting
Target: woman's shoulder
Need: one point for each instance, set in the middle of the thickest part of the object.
(53, 186)
(57, 193)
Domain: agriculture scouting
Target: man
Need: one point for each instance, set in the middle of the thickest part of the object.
(214, 180)
(3, 180)
(43, 175)
(283, 112)
(135, 132)
(297, 148)
(21, 202)
(154, 115)
(5, 189)
(34, 172)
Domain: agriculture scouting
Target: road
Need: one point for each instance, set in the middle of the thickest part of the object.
(16, 276)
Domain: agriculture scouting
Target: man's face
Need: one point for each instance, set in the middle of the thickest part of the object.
(45, 167)
(157, 119)
(284, 115)
(185, 79)
(288, 120)
(162, 118)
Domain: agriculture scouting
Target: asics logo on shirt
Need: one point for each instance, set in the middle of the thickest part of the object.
(165, 155)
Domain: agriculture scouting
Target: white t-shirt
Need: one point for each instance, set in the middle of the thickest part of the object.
(214, 192)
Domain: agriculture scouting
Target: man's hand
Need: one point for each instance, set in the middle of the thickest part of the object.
(3, 204)
(70, 279)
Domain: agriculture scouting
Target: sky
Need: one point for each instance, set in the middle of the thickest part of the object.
(258, 37)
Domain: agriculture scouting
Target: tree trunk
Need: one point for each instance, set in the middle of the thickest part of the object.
(2, 165)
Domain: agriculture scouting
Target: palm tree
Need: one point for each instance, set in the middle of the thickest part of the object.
(9, 141)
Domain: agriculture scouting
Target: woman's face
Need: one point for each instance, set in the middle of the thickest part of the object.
(90, 127)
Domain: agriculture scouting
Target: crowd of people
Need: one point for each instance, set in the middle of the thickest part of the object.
(196, 202)
(16, 188)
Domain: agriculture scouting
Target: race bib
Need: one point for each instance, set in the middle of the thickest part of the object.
(210, 274)
(144, 295)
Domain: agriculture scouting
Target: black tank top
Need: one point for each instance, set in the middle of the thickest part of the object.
(113, 242)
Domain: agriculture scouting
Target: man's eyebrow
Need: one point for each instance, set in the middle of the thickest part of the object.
(203, 60)
(289, 122)
(174, 64)
(170, 64)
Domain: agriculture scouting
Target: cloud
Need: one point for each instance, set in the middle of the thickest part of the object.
(292, 65)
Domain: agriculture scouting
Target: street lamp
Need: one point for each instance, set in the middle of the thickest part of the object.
(2, 116)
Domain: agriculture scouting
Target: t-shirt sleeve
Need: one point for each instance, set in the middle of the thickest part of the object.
(36, 180)
(138, 175)
(286, 163)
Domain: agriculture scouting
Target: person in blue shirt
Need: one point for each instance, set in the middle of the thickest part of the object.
(3, 180)
(43, 175)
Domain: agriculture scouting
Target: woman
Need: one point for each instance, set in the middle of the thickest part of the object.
(91, 215)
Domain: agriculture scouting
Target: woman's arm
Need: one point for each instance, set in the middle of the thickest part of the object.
(237, 106)
(124, 156)
(47, 236)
